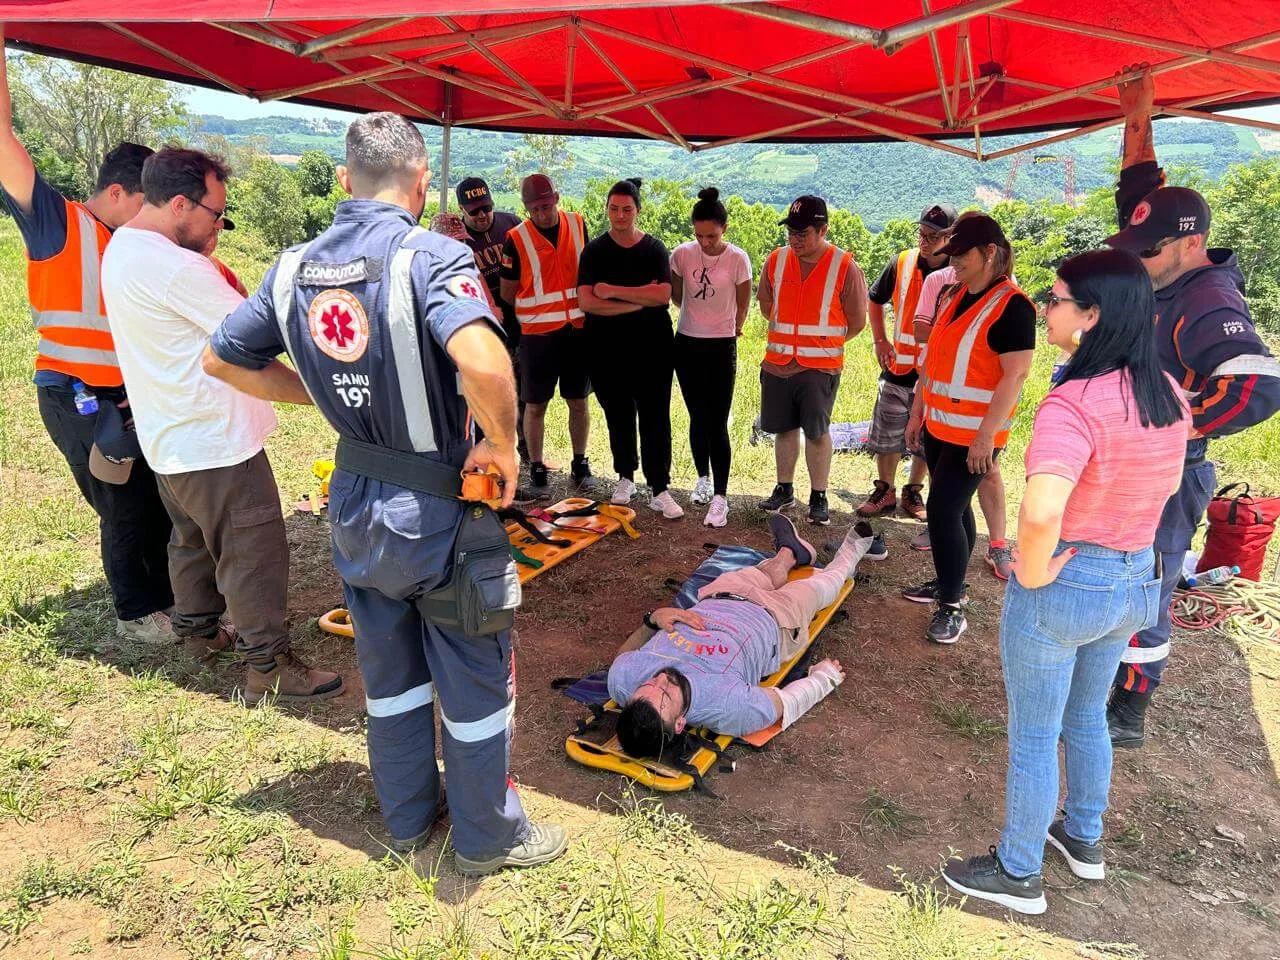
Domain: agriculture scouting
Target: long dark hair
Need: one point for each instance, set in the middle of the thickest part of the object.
(629, 187)
(1117, 284)
(709, 208)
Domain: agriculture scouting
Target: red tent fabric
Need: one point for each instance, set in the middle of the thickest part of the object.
(696, 74)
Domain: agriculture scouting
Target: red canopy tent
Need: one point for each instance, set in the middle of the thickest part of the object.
(699, 75)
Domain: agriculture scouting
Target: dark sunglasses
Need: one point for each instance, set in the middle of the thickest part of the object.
(1152, 252)
(475, 211)
(1052, 300)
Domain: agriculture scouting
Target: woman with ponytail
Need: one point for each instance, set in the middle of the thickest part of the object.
(1106, 453)
(711, 281)
(624, 288)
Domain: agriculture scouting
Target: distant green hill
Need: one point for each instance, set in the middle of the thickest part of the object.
(878, 181)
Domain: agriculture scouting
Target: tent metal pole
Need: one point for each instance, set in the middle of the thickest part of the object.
(937, 69)
(810, 21)
(1057, 138)
(894, 38)
(767, 79)
(748, 138)
(341, 80)
(179, 60)
(1211, 54)
(312, 47)
(513, 31)
(640, 130)
(446, 112)
(968, 59)
(626, 82)
(250, 33)
(571, 38)
(554, 109)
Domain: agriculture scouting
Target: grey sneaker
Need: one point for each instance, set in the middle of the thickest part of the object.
(1000, 560)
(545, 843)
(153, 629)
(986, 879)
(1084, 859)
(785, 535)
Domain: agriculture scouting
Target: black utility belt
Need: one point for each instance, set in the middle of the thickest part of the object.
(406, 470)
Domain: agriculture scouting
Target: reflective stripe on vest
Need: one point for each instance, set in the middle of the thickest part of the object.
(906, 295)
(74, 341)
(784, 332)
(952, 403)
(537, 309)
(402, 329)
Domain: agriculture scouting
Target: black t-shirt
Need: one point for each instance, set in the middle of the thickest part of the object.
(1013, 330)
(487, 246)
(44, 229)
(605, 261)
(511, 252)
(881, 292)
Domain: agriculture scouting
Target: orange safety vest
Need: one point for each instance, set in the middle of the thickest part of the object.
(961, 372)
(906, 294)
(547, 297)
(807, 323)
(67, 308)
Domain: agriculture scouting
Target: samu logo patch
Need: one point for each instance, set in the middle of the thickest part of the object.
(339, 326)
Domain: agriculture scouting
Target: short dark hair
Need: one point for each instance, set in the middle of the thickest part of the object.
(382, 150)
(640, 730)
(629, 187)
(709, 207)
(180, 172)
(123, 165)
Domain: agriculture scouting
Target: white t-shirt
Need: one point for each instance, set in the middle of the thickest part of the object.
(163, 301)
(709, 307)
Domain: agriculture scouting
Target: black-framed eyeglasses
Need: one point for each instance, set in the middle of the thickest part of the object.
(929, 235)
(1152, 252)
(1051, 300)
(217, 214)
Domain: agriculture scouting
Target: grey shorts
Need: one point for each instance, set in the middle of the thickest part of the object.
(889, 418)
(800, 402)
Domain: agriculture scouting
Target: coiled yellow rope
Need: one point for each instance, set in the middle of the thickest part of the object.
(1244, 609)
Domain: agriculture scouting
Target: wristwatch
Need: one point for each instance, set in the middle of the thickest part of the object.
(650, 622)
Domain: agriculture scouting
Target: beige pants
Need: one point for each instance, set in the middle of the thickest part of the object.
(792, 603)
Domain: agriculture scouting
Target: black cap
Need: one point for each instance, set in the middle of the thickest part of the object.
(939, 215)
(115, 446)
(806, 211)
(970, 232)
(1166, 212)
(227, 223)
(473, 192)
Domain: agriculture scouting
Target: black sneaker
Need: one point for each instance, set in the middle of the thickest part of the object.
(580, 475)
(819, 513)
(927, 592)
(877, 551)
(780, 499)
(947, 625)
(986, 879)
(1084, 859)
(538, 479)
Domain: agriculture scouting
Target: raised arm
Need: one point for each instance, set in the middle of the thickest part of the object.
(17, 172)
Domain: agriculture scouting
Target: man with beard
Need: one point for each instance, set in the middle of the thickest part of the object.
(203, 439)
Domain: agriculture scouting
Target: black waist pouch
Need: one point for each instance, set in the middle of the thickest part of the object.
(483, 593)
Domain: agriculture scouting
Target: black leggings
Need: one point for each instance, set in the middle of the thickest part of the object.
(631, 376)
(707, 367)
(952, 528)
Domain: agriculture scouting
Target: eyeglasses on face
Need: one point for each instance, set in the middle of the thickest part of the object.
(1152, 252)
(1051, 300)
(217, 214)
(481, 211)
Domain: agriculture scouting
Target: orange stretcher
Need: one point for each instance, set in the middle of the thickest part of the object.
(533, 557)
(596, 744)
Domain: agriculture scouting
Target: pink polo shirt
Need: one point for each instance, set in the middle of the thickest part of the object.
(1088, 431)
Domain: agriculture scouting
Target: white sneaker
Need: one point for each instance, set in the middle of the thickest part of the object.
(624, 491)
(154, 629)
(717, 513)
(702, 491)
(665, 504)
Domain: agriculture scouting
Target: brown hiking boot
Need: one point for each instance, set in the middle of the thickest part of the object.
(291, 679)
(883, 499)
(204, 648)
(912, 502)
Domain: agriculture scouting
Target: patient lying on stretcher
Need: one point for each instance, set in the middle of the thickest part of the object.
(703, 666)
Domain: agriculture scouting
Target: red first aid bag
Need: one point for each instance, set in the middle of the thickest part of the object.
(1239, 528)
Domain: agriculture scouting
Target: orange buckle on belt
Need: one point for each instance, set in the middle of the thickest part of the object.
(482, 488)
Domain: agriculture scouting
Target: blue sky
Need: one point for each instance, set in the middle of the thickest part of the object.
(235, 107)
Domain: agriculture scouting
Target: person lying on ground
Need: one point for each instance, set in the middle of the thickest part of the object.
(703, 666)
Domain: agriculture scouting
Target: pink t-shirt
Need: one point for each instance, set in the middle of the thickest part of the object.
(1088, 431)
(709, 307)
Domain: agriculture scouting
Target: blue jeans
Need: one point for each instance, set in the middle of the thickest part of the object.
(1060, 645)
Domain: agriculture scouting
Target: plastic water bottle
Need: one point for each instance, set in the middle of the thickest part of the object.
(1213, 577)
(86, 399)
(1059, 365)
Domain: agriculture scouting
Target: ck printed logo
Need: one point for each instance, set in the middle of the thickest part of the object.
(705, 289)
(339, 326)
